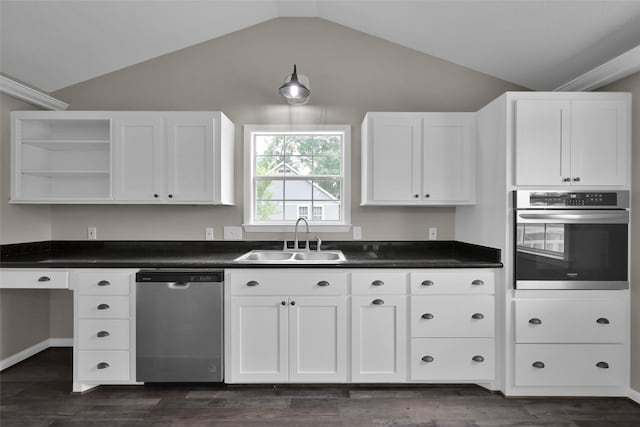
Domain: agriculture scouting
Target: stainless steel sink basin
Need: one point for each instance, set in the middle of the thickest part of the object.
(293, 257)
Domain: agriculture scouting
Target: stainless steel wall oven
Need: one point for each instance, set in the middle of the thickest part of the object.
(571, 240)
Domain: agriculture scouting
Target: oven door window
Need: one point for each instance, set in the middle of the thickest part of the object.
(576, 252)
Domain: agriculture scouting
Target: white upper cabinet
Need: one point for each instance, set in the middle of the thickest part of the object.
(174, 157)
(418, 159)
(122, 157)
(578, 142)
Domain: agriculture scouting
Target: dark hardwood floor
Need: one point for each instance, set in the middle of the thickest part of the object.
(36, 392)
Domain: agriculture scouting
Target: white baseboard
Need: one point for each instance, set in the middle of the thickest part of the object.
(33, 350)
(634, 395)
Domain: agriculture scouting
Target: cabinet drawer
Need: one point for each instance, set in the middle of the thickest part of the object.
(570, 365)
(99, 283)
(103, 366)
(571, 320)
(452, 316)
(452, 359)
(103, 334)
(378, 283)
(287, 282)
(103, 307)
(34, 279)
(452, 282)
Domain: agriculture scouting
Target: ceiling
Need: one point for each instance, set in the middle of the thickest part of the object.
(539, 44)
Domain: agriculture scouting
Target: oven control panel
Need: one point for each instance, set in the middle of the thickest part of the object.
(571, 199)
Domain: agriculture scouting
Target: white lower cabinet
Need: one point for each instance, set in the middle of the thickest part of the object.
(275, 337)
(104, 324)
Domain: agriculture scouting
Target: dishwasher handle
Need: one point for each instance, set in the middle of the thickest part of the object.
(178, 285)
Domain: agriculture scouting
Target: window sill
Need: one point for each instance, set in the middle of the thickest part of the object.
(268, 228)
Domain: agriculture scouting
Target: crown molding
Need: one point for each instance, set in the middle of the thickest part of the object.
(30, 95)
(619, 67)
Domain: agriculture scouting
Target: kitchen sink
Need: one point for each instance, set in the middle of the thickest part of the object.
(293, 257)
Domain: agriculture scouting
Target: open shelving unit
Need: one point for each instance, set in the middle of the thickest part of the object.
(61, 159)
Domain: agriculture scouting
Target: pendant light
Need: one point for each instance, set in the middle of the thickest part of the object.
(293, 90)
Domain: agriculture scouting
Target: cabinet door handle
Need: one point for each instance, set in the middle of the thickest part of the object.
(252, 283)
(323, 283)
(377, 302)
(427, 195)
(283, 303)
(103, 334)
(44, 279)
(156, 196)
(104, 283)
(416, 196)
(427, 316)
(103, 307)
(293, 303)
(576, 179)
(478, 359)
(535, 321)
(102, 365)
(478, 316)
(566, 179)
(377, 283)
(603, 321)
(603, 365)
(427, 359)
(538, 365)
(171, 196)
(477, 282)
(427, 283)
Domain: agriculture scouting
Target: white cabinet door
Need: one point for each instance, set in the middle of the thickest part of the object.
(259, 343)
(379, 338)
(317, 339)
(190, 158)
(448, 169)
(543, 148)
(395, 159)
(599, 143)
(138, 153)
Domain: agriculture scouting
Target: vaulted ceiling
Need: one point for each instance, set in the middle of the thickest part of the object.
(539, 44)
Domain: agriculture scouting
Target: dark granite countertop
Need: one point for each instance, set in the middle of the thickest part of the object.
(221, 254)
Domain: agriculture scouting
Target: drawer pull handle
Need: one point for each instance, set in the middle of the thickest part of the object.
(477, 359)
(252, 283)
(323, 283)
(603, 365)
(478, 316)
(427, 316)
(538, 365)
(104, 283)
(103, 307)
(377, 302)
(477, 282)
(102, 365)
(427, 283)
(427, 359)
(603, 321)
(44, 279)
(535, 321)
(103, 334)
(377, 283)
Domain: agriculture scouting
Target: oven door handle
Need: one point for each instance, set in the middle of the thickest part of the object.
(573, 217)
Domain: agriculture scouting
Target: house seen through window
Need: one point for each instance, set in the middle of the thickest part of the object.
(297, 174)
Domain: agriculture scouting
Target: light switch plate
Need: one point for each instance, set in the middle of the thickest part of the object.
(433, 233)
(92, 233)
(232, 233)
(208, 233)
(357, 233)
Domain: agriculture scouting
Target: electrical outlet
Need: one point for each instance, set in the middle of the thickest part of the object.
(357, 233)
(433, 233)
(208, 233)
(232, 233)
(92, 233)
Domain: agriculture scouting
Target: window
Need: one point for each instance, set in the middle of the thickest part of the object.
(296, 172)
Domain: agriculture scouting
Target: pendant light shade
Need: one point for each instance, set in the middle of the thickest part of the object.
(294, 91)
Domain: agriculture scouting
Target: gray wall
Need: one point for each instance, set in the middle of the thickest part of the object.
(350, 72)
(632, 84)
(24, 314)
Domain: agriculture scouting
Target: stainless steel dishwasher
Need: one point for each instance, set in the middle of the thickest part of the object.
(179, 326)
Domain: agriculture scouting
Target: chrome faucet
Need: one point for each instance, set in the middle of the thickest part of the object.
(295, 236)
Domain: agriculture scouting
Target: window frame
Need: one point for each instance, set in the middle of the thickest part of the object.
(249, 225)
